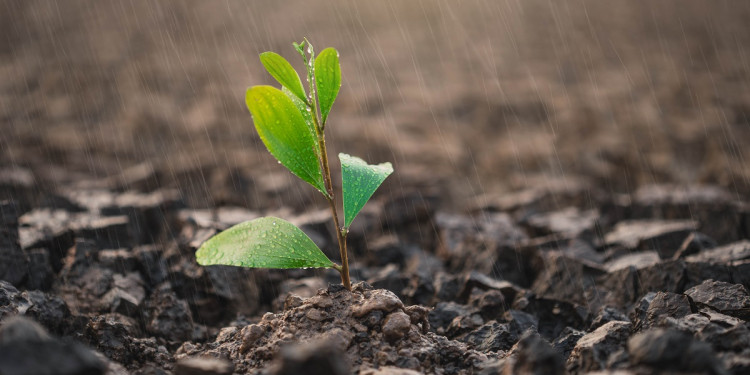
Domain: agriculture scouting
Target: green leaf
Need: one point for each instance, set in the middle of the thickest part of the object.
(284, 73)
(284, 132)
(266, 242)
(306, 114)
(360, 180)
(328, 79)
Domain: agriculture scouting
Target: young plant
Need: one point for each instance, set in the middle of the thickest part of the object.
(291, 123)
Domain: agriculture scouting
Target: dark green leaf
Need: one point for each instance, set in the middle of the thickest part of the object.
(328, 79)
(360, 180)
(284, 73)
(266, 242)
(285, 133)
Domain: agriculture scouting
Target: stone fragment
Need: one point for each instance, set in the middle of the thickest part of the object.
(492, 336)
(26, 349)
(593, 351)
(639, 260)
(151, 264)
(490, 304)
(447, 287)
(121, 302)
(379, 299)
(652, 309)
(48, 310)
(170, 317)
(713, 207)
(118, 337)
(694, 244)
(396, 326)
(551, 316)
(443, 314)
(607, 314)
(730, 299)
(663, 236)
(727, 254)
(567, 340)
(546, 196)
(250, 335)
(535, 356)
(621, 286)
(462, 235)
(566, 279)
(569, 222)
(476, 280)
(669, 349)
(667, 276)
(463, 324)
(10, 300)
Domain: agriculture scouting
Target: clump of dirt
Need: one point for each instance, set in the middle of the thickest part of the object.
(366, 328)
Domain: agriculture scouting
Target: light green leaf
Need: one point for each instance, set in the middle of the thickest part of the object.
(328, 79)
(360, 180)
(284, 132)
(266, 242)
(284, 73)
(306, 114)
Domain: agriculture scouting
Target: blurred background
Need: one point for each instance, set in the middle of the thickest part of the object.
(465, 98)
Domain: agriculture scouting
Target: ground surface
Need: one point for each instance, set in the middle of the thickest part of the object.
(570, 185)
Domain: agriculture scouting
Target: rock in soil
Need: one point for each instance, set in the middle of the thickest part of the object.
(595, 351)
(27, 349)
(730, 299)
(663, 349)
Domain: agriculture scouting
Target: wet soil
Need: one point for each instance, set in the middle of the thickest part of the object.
(566, 280)
(570, 195)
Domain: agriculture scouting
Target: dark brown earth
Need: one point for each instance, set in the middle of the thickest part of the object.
(570, 191)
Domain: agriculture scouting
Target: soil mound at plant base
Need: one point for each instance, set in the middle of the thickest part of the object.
(364, 329)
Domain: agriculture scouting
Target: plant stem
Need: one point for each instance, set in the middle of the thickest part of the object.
(340, 232)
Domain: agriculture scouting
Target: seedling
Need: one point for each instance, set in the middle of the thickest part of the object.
(292, 123)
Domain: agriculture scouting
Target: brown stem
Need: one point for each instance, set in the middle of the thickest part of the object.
(340, 234)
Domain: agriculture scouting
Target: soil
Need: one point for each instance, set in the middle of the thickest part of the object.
(570, 192)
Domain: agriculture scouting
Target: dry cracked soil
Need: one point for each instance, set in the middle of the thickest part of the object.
(570, 194)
